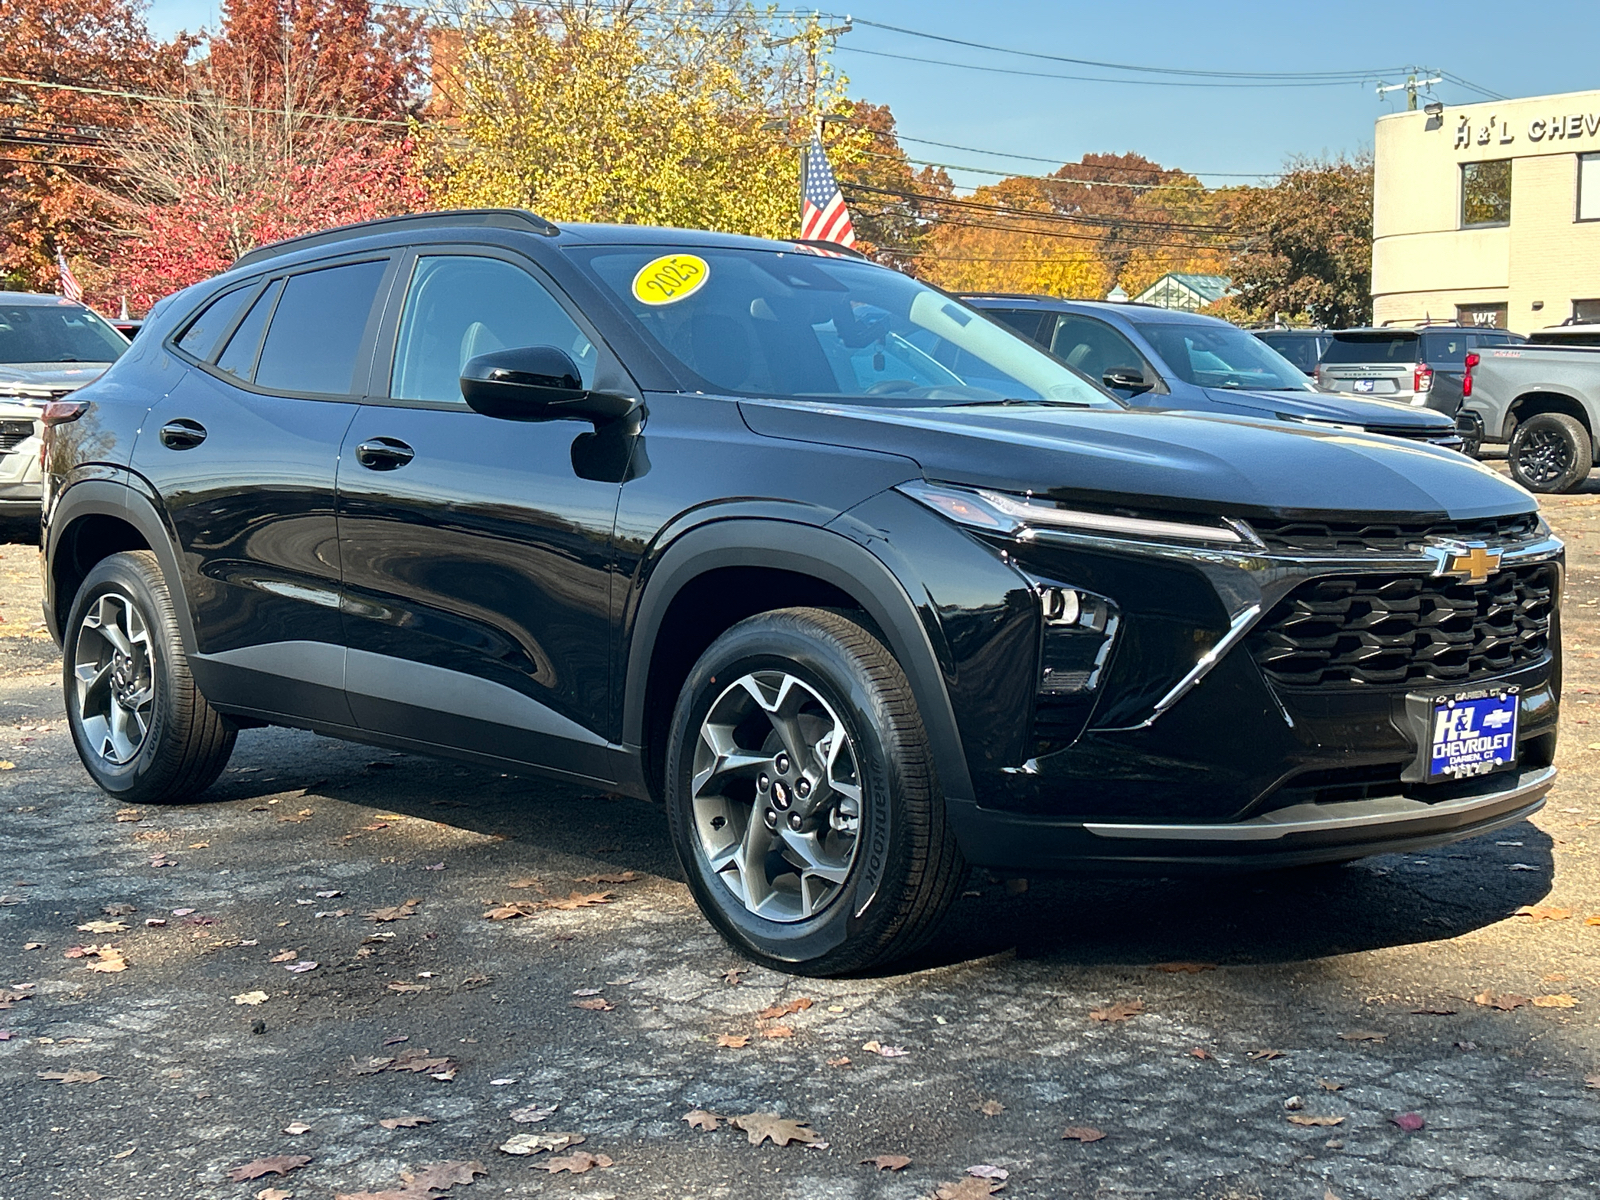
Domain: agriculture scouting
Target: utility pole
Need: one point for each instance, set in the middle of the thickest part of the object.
(1411, 85)
(812, 35)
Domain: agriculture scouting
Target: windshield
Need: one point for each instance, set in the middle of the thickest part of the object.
(794, 325)
(1222, 356)
(56, 333)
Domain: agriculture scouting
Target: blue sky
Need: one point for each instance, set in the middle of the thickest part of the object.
(1218, 132)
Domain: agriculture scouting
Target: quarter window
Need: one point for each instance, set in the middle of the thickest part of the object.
(1486, 193)
(460, 306)
(318, 328)
(1589, 187)
(200, 339)
(240, 356)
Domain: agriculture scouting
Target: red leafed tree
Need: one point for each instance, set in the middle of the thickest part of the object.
(293, 120)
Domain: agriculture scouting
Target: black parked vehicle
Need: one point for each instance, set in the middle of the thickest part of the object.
(862, 585)
(1302, 347)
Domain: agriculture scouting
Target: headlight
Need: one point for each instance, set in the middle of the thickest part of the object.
(1002, 513)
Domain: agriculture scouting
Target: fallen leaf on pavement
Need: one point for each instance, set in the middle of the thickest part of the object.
(594, 1004)
(760, 1127)
(970, 1188)
(1560, 1000)
(619, 877)
(301, 967)
(1593, 919)
(73, 1076)
(440, 1177)
(1122, 1010)
(305, 814)
(1542, 912)
(1201, 1052)
(538, 1143)
(988, 1171)
(161, 860)
(1505, 1002)
(284, 956)
(576, 1163)
(399, 912)
(1328, 1085)
(1410, 1122)
(1184, 968)
(274, 1194)
(784, 1010)
(397, 986)
(279, 1164)
(699, 1118)
(509, 912)
(533, 1113)
(732, 975)
(1081, 1133)
(1309, 1119)
(839, 1062)
(579, 900)
(330, 894)
(296, 1128)
(104, 927)
(108, 959)
(989, 1108)
(33, 945)
(127, 815)
(529, 882)
(733, 1041)
(777, 1031)
(251, 998)
(118, 910)
(1364, 1035)
(887, 1162)
(883, 1051)
(405, 1122)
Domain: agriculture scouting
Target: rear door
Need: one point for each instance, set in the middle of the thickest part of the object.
(1379, 363)
(477, 552)
(242, 455)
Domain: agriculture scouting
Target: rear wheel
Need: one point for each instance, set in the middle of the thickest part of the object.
(1550, 452)
(143, 730)
(802, 797)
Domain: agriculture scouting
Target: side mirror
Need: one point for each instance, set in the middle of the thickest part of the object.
(1129, 379)
(536, 383)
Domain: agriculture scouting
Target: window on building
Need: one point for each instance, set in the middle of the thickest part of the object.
(1486, 193)
(1487, 316)
(1589, 187)
(1586, 310)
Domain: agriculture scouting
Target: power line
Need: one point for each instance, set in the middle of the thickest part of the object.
(1092, 219)
(154, 99)
(1051, 179)
(1068, 162)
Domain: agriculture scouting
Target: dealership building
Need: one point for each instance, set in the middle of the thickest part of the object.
(1488, 213)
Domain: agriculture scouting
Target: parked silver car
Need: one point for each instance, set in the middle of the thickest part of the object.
(49, 346)
(1404, 364)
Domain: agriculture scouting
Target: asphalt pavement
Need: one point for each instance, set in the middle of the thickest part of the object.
(306, 955)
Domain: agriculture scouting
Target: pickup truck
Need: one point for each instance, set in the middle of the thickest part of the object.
(1545, 401)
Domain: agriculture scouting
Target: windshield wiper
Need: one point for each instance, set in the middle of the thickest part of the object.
(1013, 400)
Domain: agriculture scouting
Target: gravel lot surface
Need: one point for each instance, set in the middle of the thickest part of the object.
(1345, 994)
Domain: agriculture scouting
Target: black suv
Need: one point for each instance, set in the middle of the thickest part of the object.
(864, 587)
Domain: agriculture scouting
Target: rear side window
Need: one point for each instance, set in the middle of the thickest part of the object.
(318, 329)
(240, 356)
(200, 339)
(1447, 347)
(1299, 349)
(1023, 321)
(1372, 348)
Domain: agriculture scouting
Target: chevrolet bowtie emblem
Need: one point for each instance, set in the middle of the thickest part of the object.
(1474, 563)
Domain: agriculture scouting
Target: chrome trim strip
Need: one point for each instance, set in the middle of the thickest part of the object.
(1241, 625)
(1332, 818)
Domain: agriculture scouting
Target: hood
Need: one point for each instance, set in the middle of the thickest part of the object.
(1325, 406)
(52, 377)
(1149, 459)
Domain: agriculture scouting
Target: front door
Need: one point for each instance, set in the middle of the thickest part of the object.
(476, 559)
(242, 454)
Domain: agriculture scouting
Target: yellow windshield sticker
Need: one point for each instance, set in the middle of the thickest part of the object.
(670, 278)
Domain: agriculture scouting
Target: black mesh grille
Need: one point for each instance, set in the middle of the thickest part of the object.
(1362, 537)
(1385, 630)
(14, 433)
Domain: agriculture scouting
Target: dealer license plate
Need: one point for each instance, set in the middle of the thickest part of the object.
(1365, 385)
(1472, 733)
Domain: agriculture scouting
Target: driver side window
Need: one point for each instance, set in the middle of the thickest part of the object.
(459, 306)
(1091, 346)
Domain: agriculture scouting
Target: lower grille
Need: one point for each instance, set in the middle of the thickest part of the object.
(1382, 630)
(13, 434)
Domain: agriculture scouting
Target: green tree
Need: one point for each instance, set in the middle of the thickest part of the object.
(1306, 243)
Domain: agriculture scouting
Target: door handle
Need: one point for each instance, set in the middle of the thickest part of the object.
(384, 454)
(182, 434)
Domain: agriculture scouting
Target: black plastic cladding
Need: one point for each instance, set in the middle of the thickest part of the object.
(499, 598)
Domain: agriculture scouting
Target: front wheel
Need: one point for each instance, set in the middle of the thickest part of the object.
(1550, 452)
(802, 797)
(143, 730)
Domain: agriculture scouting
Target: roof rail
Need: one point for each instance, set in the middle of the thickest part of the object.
(1011, 295)
(498, 218)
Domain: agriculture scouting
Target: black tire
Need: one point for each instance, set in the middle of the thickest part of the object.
(1471, 431)
(183, 743)
(1550, 452)
(904, 869)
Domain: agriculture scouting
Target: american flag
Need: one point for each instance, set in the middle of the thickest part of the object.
(823, 215)
(70, 287)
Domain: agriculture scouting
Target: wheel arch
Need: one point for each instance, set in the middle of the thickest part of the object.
(837, 572)
(1532, 404)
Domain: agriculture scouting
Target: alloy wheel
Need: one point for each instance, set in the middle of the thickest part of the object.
(776, 794)
(1544, 456)
(114, 673)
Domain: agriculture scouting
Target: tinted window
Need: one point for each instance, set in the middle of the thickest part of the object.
(240, 356)
(200, 339)
(459, 307)
(1214, 354)
(785, 324)
(1447, 347)
(1302, 349)
(1372, 348)
(1025, 322)
(1092, 346)
(317, 330)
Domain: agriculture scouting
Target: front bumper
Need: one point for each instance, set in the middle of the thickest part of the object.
(1286, 837)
